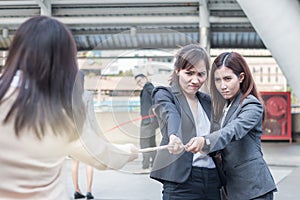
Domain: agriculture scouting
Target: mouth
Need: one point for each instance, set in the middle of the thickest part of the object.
(224, 93)
(195, 87)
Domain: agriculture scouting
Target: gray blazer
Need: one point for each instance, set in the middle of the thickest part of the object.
(175, 117)
(247, 173)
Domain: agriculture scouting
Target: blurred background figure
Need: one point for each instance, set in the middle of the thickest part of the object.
(89, 176)
(148, 123)
(75, 163)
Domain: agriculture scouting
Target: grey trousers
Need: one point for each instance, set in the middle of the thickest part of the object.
(147, 139)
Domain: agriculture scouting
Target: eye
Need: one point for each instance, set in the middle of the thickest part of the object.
(202, 74)
(227, 78)
(217, 79)
(189, 72)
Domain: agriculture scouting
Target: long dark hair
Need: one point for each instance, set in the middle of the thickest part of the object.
(44, 50)
(187, 57)
(237, 64)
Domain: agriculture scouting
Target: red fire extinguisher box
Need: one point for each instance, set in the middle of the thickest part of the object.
(277, 122)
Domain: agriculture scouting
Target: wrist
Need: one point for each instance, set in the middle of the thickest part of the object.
(206, 146)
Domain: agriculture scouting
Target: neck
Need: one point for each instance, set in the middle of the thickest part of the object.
(190, 96)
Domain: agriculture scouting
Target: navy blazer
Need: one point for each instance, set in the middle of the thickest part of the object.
(247, 173)
(175, 117)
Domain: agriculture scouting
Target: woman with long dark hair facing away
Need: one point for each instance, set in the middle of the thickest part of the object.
(43, 117)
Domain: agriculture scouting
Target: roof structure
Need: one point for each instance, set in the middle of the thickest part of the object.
(168, 24)
(138, 24)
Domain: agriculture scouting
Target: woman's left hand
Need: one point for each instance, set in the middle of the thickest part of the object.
(175, 145)
(195, 144)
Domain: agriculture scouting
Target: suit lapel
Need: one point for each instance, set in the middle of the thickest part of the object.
(205, 104)
(232, 108)
(183, 102)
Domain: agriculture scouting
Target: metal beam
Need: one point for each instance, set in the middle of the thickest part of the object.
(131, 20)
(100, 2)
(102, 11)
(122, 1)
(17, 3)
(224, 6)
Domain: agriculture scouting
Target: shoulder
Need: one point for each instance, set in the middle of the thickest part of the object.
(204, 96)
(251, 102)
(149, 85)
(250, 99)
(161, 91)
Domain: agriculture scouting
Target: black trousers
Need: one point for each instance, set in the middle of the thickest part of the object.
(202, 184)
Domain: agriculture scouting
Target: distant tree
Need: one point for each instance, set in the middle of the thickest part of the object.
(126, 73)
(294, 99)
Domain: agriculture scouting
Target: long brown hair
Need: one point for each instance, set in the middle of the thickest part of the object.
(44, 50)
(237, 64)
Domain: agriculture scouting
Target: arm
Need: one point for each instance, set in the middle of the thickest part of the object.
(248, 116)
(94, 149)
(101, 154)
(169, 117)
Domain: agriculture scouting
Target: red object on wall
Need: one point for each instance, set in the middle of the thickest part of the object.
(277, 123)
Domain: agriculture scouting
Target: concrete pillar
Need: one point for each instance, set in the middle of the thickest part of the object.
(277, 22)
(45, 7)
(204, 25)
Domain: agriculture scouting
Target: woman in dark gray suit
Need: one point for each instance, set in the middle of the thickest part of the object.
(183, 113)
(238, 111)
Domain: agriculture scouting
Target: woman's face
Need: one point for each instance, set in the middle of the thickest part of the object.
(227, 83)
(191, 80)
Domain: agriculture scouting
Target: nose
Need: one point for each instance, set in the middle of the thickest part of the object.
(223, 85)
(197, 79)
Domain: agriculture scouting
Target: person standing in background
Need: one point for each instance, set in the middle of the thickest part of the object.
(89, 175)
(87, 98)
(148, 123)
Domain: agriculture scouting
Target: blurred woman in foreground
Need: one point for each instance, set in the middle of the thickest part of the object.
(43, 116)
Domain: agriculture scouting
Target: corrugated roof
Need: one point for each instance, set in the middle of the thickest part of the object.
(142, 24)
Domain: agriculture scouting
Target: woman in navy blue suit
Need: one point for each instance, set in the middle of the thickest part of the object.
(183, 113)
(238, 111)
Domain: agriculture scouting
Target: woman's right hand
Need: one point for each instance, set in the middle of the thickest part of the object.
(130, 149)
(195, 144)
(175, 145)
(134, 152)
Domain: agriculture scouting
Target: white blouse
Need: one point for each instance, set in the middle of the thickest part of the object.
(202, 124)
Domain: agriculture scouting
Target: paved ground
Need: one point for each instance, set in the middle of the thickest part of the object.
(284, 162)
(283, 159)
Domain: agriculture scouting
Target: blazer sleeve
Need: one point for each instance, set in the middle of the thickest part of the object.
(166, 110)
(247, 116)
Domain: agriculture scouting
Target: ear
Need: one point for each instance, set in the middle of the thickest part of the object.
(241, 77)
